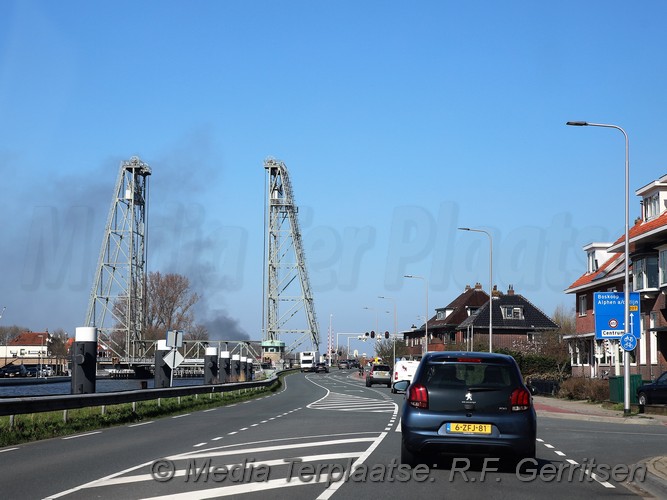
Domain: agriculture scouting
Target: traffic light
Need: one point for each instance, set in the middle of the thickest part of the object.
(386, 335)
(366, 334)
(372, 334)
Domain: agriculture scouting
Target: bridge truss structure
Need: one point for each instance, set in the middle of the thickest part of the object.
(289, 312)
(117, 304)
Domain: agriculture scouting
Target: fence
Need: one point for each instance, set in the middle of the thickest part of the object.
(37, 404)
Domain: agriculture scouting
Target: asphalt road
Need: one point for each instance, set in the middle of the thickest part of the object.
(301, 443)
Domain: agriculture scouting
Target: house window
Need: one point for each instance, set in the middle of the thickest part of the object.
(582, 304)
(651, 207)
(512, 312)
(530, 336)
(663, 267)
(592, 262)
(645, 273)
(441, 315)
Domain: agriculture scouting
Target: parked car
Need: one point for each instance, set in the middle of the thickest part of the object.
(46, 371)
(32, 371)
(321, 368)
(379, 374)
(654, 392)
(467, 403)
(343, 364)
(15, 371)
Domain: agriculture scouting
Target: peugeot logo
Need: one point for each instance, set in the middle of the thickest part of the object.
(469, 396)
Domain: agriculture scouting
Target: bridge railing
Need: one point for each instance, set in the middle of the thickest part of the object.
(37, 404)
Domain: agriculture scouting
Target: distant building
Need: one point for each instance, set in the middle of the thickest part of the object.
(28, 348)
(464, 323)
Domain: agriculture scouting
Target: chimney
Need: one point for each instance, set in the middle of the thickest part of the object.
(478, 286)
(495, 292)
(467, 288)
(510, 290)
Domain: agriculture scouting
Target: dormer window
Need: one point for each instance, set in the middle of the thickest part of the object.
(441, 315)
(472, 310)
(512, 312)
(592, 262)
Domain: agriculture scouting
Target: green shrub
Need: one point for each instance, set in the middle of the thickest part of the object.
(580, 388)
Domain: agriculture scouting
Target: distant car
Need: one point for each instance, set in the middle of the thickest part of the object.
(32, 371)
(343, 365)
(321, 368)
(353, 363)
(653, 393)
(46, 371)
(467, 403)
(403, 370)
(15, 371)
(379, 374)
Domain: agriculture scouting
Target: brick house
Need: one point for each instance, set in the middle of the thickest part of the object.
(464, 323)
(605, 272)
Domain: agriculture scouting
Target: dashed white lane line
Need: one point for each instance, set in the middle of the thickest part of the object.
(81, 435)
(198, 445)
(179, 416)
(8, 449)
(141, 423)
(586, 470)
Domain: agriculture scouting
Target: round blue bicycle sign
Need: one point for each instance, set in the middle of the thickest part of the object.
(628, 342)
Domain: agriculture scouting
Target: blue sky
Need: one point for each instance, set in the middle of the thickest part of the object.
(398, 122)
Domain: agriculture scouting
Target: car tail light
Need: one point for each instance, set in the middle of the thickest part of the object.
(396, 376)
(520, 399)
(418, 396)
(469, 360)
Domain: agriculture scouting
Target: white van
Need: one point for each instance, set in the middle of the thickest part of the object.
(403, 370)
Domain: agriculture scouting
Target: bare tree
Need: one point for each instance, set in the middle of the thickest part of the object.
(170, 303)
(553, 344)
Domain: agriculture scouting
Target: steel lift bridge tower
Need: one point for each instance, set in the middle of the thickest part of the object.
(285, 270)
(117, 305)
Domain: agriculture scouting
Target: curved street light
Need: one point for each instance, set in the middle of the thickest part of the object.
(490, 281)
(626, 285)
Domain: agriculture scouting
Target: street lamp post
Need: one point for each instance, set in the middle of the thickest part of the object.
(490, 281)
(395, 327)
(626, 285)
(425, 350)
(41, 344)
(377, 321)
(330, 340)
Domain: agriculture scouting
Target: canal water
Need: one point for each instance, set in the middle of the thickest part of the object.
(101, 385)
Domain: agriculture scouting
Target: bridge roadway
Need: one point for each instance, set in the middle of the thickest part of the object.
(331, 420)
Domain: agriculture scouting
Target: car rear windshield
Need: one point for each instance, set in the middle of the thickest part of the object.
(469, 374)
(381, 368)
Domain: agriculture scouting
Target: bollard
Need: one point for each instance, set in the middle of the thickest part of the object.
(162, 370)
(84, 360)
(224, 374)
(236, 366)
(211, 369)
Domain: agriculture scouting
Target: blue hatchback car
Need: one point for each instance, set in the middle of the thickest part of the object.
(466, 404)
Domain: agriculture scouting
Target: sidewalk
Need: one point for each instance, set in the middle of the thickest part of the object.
(656, 478)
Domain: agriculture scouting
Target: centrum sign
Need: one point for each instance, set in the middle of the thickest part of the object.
(609, 308)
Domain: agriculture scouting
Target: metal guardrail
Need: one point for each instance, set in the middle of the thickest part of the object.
(37, 404)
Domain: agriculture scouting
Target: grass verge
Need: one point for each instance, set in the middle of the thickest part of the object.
(45, 425)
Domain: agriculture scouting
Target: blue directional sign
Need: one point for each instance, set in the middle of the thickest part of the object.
(609, 308)
(628, 342)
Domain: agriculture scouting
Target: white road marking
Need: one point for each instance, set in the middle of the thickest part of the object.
(82, 435)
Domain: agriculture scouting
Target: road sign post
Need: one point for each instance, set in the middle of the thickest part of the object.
(609, 315)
